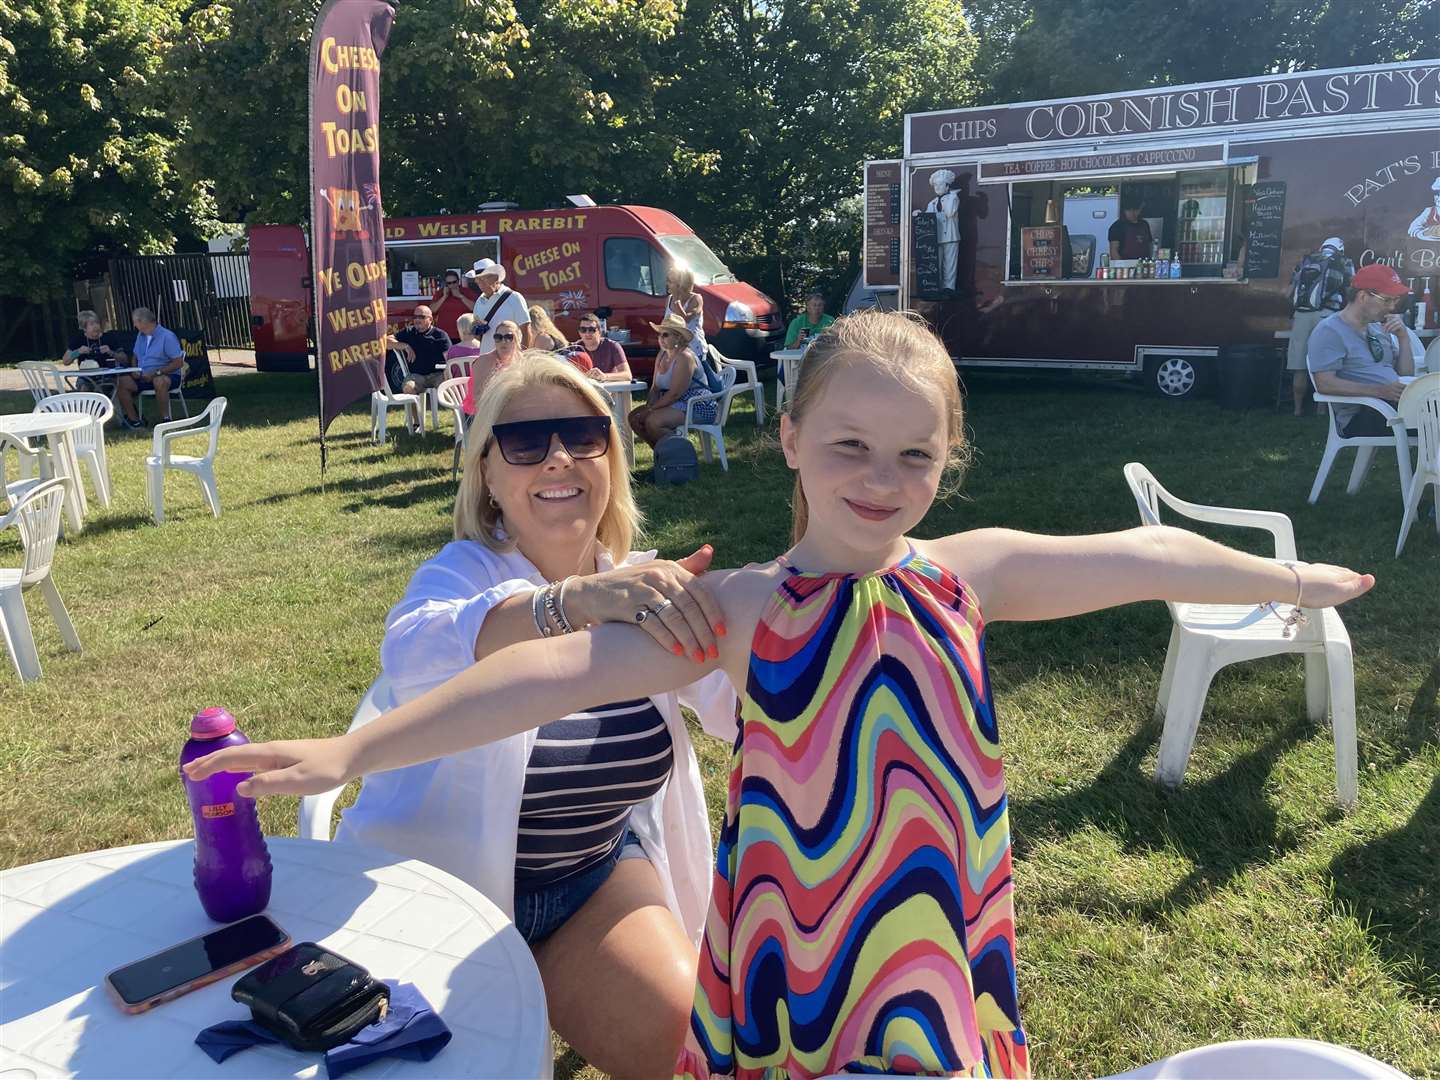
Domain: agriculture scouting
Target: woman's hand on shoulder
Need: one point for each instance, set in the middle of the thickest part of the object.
(680, 613)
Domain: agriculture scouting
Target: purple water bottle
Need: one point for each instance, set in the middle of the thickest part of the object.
(232, 864)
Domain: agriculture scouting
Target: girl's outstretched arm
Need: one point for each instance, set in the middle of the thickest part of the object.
(1020, 576)
(512, 690)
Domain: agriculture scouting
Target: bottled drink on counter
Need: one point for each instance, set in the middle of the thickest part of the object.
(1175, 268)
(232, 863)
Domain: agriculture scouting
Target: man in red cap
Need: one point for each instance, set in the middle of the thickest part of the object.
(1352, 353)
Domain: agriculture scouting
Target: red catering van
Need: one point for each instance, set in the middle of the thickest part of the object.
(569, 260)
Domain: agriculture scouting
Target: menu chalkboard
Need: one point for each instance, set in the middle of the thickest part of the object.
(925, 251)
(1042, 253)
(1265, 222)
(882, 224)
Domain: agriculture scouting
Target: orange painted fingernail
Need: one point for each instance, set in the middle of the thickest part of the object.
(678, 649)
(712, 652)
(720, 629)
(699, 657)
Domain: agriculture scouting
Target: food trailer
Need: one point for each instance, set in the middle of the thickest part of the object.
(996, 224)
(569, 260)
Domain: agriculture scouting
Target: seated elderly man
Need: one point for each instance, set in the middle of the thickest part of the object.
(158, 355)
(424, 345)
(1352, 353)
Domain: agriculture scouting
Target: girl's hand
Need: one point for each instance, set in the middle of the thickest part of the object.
(688, 620)
(291, 767)
(1323, 585)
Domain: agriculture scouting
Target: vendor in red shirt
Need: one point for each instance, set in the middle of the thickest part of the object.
(452, 301)
(1130, 236)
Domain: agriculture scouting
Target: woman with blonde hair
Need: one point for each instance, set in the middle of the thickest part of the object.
(547, 335)
(590, 832)
(685, 303)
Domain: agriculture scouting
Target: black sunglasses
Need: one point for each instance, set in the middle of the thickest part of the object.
(452, 281)
(527, 442)
(504, 337)
(587, 327)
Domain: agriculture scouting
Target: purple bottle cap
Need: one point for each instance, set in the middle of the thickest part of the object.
(212, 723)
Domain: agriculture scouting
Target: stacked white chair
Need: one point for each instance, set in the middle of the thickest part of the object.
(1419, 408)
(750, 381)
(1206, 637)
(315, 810)
(712, 434)
(42, 378)
(89, 441)
(37, 517)
(177, 390)
(385, 399)
(202, 468)
(451, 395)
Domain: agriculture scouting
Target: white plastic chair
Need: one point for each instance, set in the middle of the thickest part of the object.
(1364, 445)
(202, 468)
(1272, 1059)
(89, 441)
(316, 810)
(385, 399)
(177, 390)
(451, 395)
(1207, 637)
(712, 433)
(37, 517)
(1419, 408)
(751, 381)
(29, 471)
(42, 378)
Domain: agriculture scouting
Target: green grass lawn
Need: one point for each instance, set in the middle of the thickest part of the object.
(1244, 905)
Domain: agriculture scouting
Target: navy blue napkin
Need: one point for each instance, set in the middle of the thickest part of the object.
(411, 1030)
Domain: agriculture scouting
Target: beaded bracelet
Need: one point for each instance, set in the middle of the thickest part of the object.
(537, 610)
(553, 607)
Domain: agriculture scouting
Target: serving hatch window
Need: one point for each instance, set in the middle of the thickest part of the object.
(416, 271)
(1195, 216)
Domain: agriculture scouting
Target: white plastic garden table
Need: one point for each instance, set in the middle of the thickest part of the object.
(622, 400)
(65, 923)
(59, 429)
(791, 359)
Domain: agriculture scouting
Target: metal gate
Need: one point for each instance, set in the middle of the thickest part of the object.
(199, 290)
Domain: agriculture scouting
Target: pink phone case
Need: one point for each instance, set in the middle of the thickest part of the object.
(195, 984)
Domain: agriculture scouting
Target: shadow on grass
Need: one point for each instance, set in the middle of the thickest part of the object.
(1390, 886)
(1223, 825)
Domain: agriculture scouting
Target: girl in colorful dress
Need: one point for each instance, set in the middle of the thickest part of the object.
(862, 916)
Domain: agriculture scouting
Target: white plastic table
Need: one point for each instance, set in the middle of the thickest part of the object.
(65, 923)
(59, 429)
(622, 400)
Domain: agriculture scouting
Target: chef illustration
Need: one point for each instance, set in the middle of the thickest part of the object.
(946, 208)
(1426, 225)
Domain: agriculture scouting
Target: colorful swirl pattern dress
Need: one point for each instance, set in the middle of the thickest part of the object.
(862, 918)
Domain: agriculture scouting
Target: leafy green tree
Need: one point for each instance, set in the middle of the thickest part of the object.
(479, 100)
(87, 152)
(1038, 49)
(775, 105)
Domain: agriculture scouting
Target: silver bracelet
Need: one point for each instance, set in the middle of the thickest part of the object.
(537, 609)
(1297, 617)
(565, 624)
(556, 615)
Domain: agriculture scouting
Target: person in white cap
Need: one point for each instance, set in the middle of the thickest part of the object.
(1426, 225)
(496, 304)
(1317, 290)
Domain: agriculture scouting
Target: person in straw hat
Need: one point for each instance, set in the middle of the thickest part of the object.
(497, 303)
(677, 379)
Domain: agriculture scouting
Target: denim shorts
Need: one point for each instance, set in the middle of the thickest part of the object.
(540, 912)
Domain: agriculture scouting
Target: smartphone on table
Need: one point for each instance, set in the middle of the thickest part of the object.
(195, 963)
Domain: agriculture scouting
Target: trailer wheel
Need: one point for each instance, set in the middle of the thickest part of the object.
(1175, 377)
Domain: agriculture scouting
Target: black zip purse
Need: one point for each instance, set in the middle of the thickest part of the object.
(312, 998)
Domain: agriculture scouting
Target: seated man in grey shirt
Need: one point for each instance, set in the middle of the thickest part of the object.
(1352, 354)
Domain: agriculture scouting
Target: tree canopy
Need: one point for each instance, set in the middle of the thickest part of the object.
(127, 123)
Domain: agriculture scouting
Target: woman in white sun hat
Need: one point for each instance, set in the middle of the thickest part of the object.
(498, 303)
